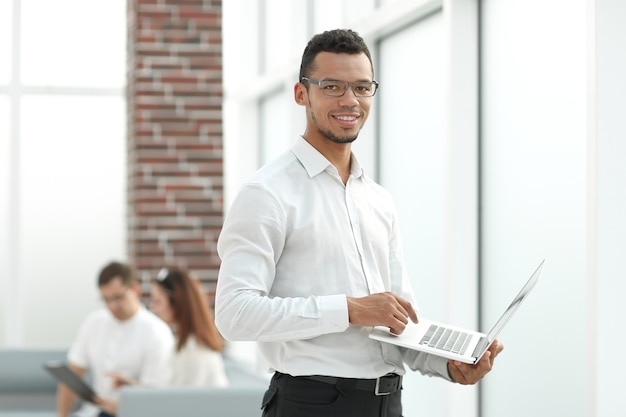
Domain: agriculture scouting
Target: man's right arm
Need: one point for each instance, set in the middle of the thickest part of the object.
(251, 242)
(65, 396)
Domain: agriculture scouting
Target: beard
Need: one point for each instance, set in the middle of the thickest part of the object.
(332, 137)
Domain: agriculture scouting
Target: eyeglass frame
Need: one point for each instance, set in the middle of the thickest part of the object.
(345, 88)
(117, 298)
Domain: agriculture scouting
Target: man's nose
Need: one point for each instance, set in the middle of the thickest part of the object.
(349, 96)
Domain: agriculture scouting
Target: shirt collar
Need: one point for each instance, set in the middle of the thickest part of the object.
(315, 163)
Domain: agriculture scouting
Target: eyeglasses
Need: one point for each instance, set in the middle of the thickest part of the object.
(335, 88)
(116, 298)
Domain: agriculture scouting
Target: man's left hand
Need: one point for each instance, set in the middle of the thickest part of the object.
(466, 374)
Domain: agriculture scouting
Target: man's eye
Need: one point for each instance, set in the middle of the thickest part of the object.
(364, 88)
(331, 86)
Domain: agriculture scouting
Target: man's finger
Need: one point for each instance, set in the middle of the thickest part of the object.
(408, 308)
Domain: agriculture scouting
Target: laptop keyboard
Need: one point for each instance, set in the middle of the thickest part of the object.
(446, 339)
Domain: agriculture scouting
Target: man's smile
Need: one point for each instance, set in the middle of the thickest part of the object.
(347, 120)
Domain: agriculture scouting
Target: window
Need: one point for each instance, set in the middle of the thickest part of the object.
(62, 159)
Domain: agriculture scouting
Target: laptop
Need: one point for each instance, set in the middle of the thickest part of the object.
(64, 374)
(452, 342)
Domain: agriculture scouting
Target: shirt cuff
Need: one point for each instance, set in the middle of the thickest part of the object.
(335, 311)
(449, 374)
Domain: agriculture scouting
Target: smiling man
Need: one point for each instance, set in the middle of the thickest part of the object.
(312, 258)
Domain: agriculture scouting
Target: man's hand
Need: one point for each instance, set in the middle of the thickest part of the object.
(470, 374)
(382, 309)
(118, 379)
(110, 406)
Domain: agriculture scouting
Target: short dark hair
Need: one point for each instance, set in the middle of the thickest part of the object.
(339, 41)
(117, 269)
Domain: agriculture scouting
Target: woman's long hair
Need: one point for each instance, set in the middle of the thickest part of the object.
(191, 309)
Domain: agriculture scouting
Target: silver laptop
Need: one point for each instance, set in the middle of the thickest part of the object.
(452, 342)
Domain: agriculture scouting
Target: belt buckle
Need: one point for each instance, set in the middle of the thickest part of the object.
(377, 388)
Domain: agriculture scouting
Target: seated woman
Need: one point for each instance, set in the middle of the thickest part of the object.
(179, 301)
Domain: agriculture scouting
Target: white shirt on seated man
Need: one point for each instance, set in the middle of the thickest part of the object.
(123, 338)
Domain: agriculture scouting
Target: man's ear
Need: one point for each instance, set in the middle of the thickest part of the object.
(300, 94)
(136, 288)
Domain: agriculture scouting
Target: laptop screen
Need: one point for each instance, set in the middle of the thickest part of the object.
(530, 284)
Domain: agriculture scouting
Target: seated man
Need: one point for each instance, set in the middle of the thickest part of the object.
(124, 337)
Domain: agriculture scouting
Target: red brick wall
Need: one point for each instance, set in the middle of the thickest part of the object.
(175, 206)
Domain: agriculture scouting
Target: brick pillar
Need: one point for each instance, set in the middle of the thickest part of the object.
(175, 205)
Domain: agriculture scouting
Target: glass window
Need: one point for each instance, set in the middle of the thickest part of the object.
(325, 20)
(534, 183)
(6, 38)
(74, 43)
(412, 147)
(5, 156)
(72, 205)
(71, 167)
(275, 136)
(332, 14)
(412, 166)
(5, 167)
(355, 10)
(284, 38)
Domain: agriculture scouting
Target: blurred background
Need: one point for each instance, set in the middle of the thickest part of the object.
(126, 128)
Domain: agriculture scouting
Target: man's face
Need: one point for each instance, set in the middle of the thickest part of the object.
(121, 300)
(337, 119)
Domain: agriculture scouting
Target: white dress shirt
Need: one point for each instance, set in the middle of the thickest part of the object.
(140, 348)
(295, 243)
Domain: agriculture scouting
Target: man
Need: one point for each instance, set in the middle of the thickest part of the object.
(312, 258)
(123, 338)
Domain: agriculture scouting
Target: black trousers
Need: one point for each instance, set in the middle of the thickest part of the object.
(289, 396)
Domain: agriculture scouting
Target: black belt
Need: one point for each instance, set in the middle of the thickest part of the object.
(384, 385)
